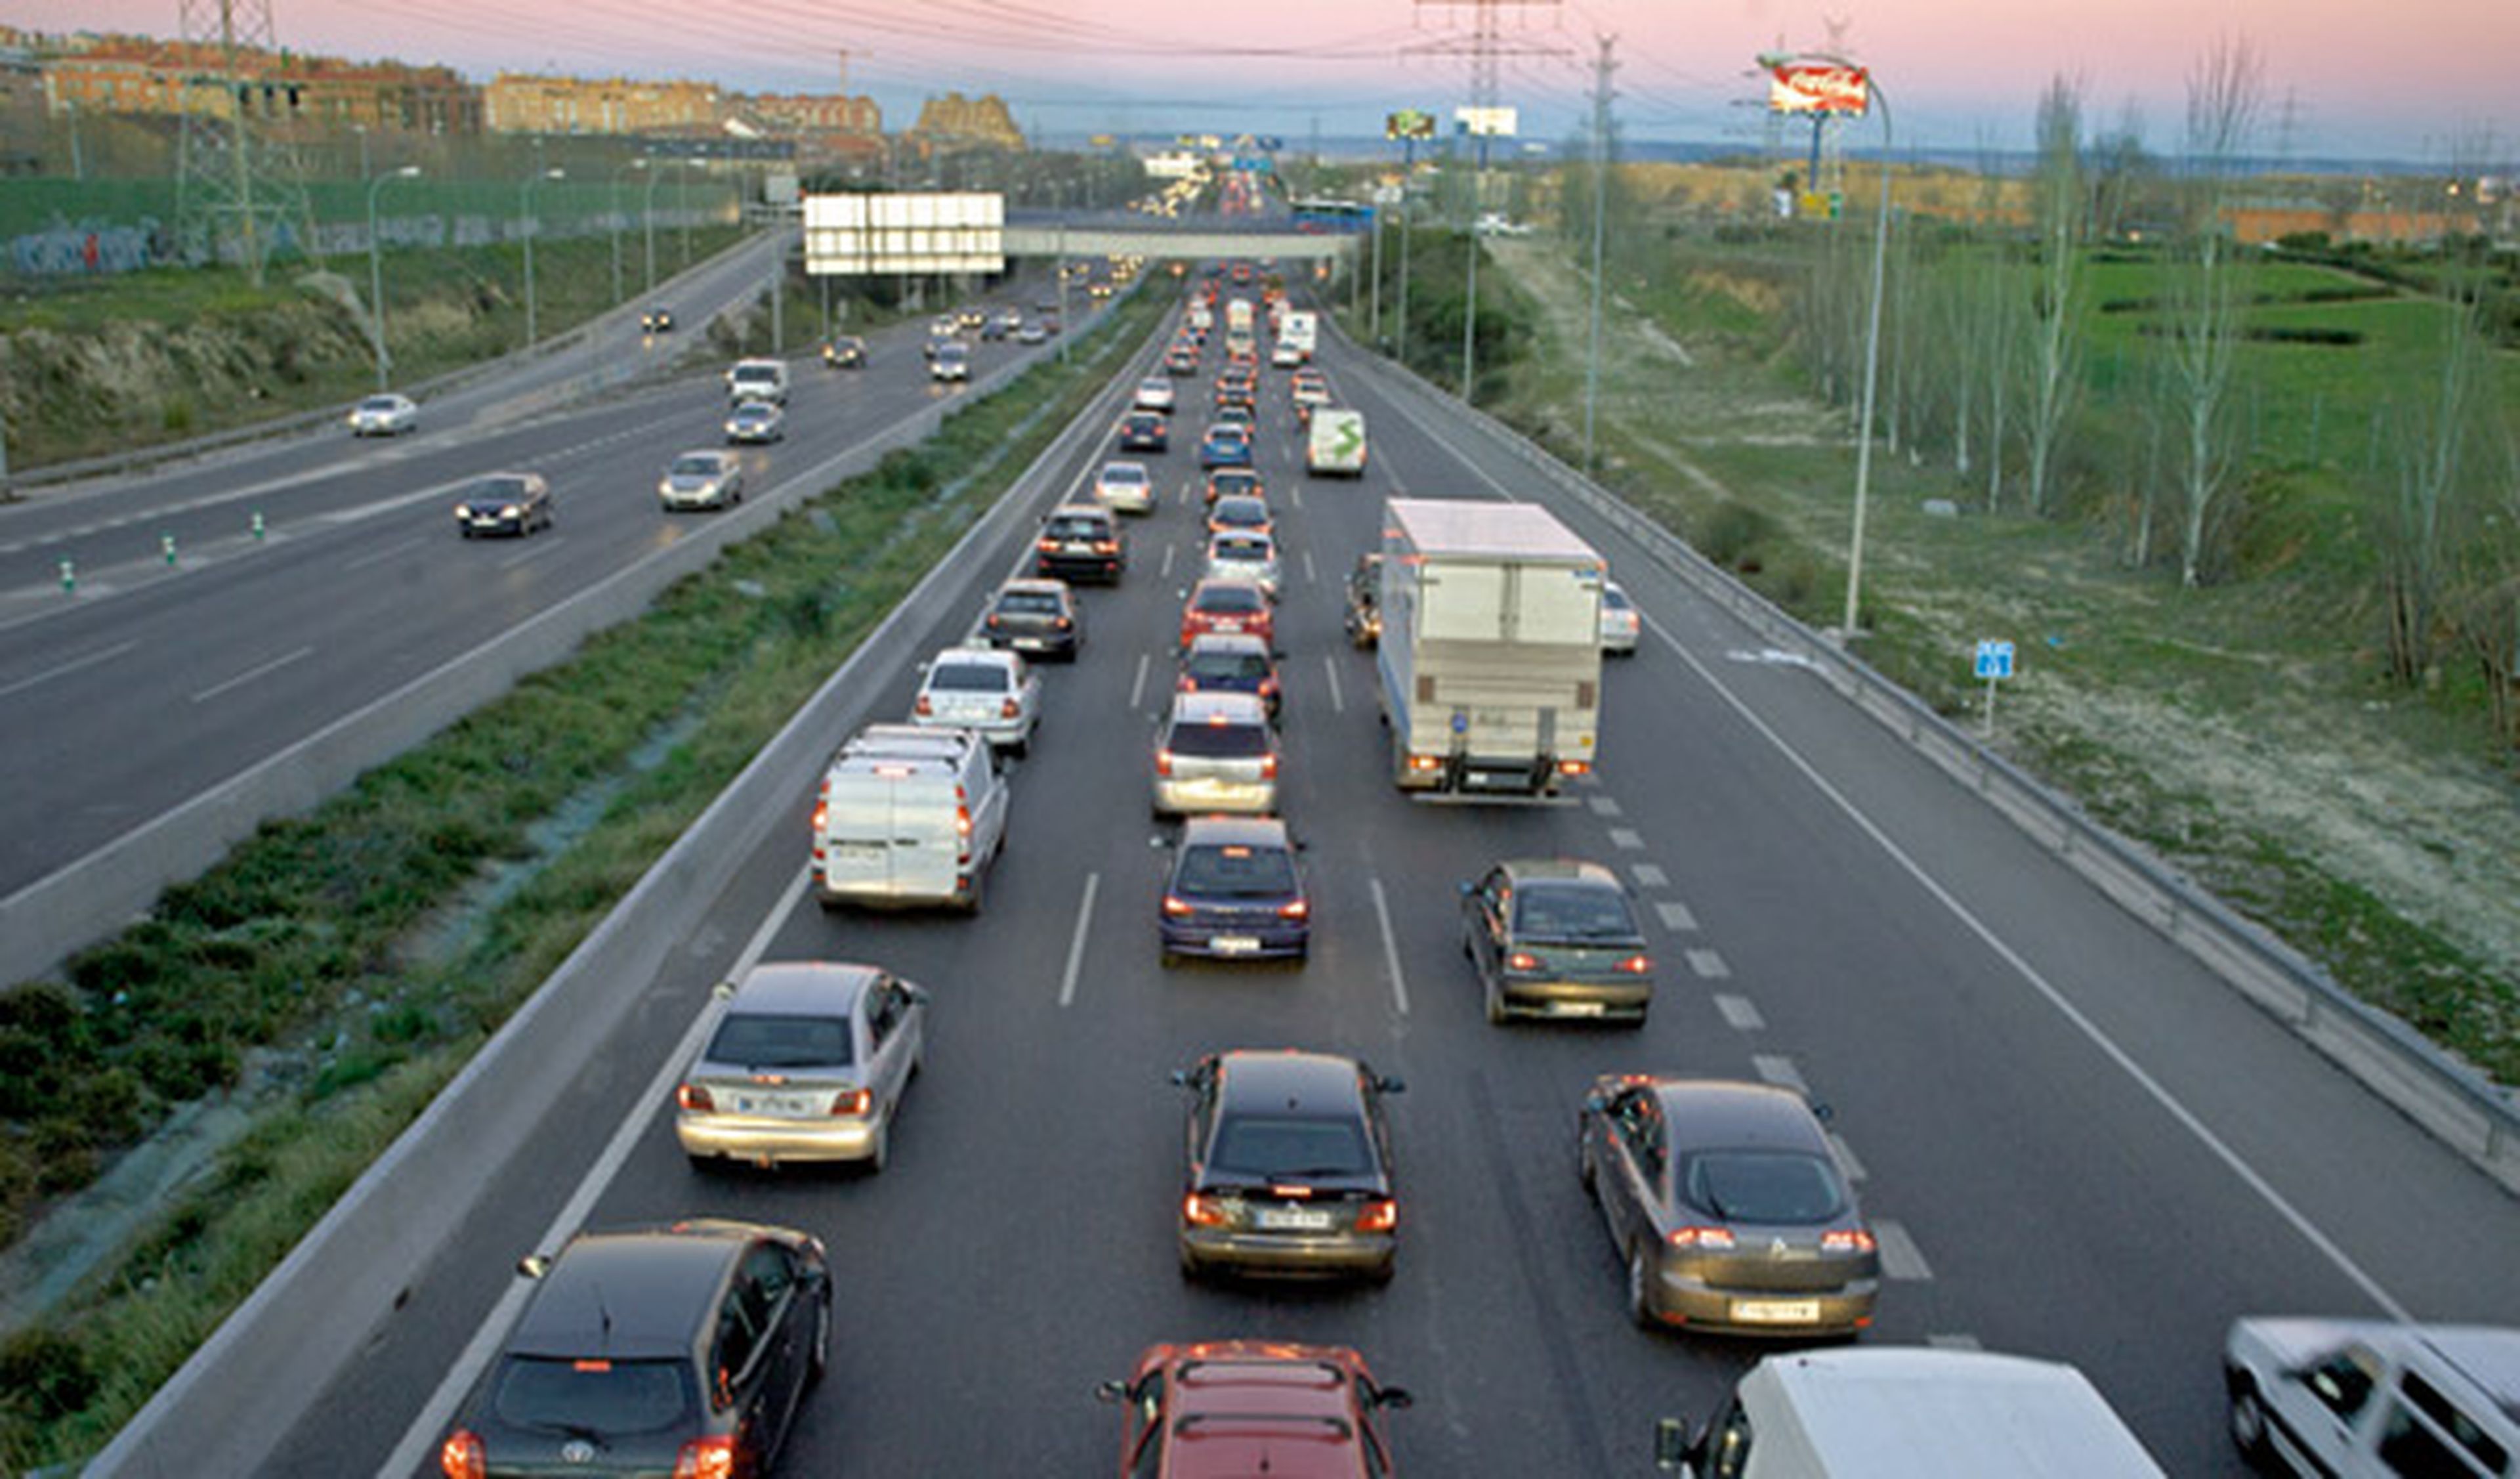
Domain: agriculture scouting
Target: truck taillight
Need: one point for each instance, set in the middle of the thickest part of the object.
(1574, 767)
(695, 1098)
(821, 814)
(460, 1456)
(923, 706)
(1423, 763)
(1008, 709)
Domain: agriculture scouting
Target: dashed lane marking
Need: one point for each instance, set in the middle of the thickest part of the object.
(1739, 1012)
(1627, 839)
(1602, 806)
(1708, 964)
(1899, 1258)
(1076, 942)
(1780, 1070)
(1676, 916)
(1648, 876)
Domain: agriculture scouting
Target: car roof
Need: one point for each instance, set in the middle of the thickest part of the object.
(1559, 870)
(640, 1293)
(1289, 1079)
(1234, 832)
(1212, 706)
(1705, 1112)
(981, 656)
(805, 988)
(1241, 643)
(1221, 583)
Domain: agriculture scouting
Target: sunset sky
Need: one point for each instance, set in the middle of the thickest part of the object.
(2415, 80)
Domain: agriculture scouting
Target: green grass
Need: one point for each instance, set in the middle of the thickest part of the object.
(386, 893)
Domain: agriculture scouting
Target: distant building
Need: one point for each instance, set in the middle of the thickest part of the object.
(521, 103)
(138, 75)
(955, 121)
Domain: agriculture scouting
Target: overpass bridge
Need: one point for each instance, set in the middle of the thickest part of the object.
(1124, 233)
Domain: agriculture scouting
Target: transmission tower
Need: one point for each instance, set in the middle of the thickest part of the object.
(237, 176)
(1486, 47)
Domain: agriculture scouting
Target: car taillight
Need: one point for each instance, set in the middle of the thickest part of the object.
(1522, 960)
(1700, 1237)
(1380, 1215)
(1574, 767)
(961, 819)
(1106, 546)
(1062, 624)
(1425, 762)
(1847, 1240)
(1188, 683)
(1164, 763)
(1175, 906)
(821, 814)
(1008, 709)
(853, 1101)
(1638, 965)
(1047, 546)
(460, 1456)
(1298, 910)
(696, 1097)
(923, 706)
(1268, 767)
(993, 619)
(1203, 1211)
(1268, 688)
(707, 1459)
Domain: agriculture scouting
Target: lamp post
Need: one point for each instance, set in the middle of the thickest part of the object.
(640, 163)
(1870, 92)
(648, 221)
(525, 222)
(376, 266)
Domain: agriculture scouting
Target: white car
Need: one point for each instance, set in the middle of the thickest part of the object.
(1124, 488)
(1155, 396)
(384, 416)
(993, 693)
(1621, 625)
(953, 361)
(1248, 557)
(1287, 356)
(2369, 1398)
(756, 421)
(701, 480)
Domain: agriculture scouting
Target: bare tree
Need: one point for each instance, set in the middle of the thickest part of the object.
(2224, 93)
(2436, 493)
(2056, 306)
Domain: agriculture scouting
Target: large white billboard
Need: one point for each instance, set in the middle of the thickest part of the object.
(1486, 122)
(854, 235)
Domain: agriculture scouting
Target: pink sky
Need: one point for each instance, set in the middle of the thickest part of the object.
(2408, 79)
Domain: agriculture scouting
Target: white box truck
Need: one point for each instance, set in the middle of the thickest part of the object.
(1298, 336)
(1491, 647)
(1890, 1412)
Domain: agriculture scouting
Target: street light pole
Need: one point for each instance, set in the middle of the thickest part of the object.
(648, 222)
(640, 163)
(376, 267)
(525, 221)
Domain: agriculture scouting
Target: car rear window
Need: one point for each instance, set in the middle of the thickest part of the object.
(1762, 1186)
(1572, 911)
(1236, 870)
(1079, 528)
(1282, 1145)
(1232, 600)
(1614, 598)
(779, 1039)
(603, 1397)
(969, 678)
(1241, 509)
(1030, 603)
(1205, 741)
(1227, 665)
(1124, 475)
(1246, 547)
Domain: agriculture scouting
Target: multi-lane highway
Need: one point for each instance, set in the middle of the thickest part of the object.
(2072, 1141)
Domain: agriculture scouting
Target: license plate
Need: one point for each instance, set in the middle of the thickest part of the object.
(1292, 1220)
(1577, 1008)
(779, 1106)
(1776, 1311)
(1032, 644)
(859, 850)
(1234, 944)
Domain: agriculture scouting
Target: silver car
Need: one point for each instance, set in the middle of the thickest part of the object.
(1621, 625)
(991, 692)
(701, 480)
(756, 421)
(807, 1062)
(385, 415)
(1217, 752)
(1124, 488)
(1244, 557)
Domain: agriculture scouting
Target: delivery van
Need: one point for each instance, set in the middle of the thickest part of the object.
(909, 815)
(1334, 444)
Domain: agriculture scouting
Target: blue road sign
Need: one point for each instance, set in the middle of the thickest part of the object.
(1994, 660)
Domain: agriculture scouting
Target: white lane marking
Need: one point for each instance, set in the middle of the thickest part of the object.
(100, 654)
(1676, 916)
(384, 553)
(1955, 1342)
(1780, 1070)
(1310, 578)
(252, 674)
(1847, 1165)
(1295, 492)
(1627, 839)
(1166, 572)
(1900, 1257)
(1076, 942)
(1138, 688)
(1709, 966)
(1740, 1013)
(422, 1437)
(1602, 806)
(530, 547)
(1329, 666)
(1390, 948)
(1648, 876)
(2107, 1046)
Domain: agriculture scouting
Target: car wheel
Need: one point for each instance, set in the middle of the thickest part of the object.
(1021, 749)
(1168, 959)
(2248, 1419)
(1495, 1005)
(1381, 1273)
(880, 1155)
(1641, 1291)
(1190, 1269)
(971, 896)
(1584, 1173)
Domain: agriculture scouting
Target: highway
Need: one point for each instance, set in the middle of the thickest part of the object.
(2072, 1141)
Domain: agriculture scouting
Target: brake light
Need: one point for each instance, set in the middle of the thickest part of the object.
(1638, 965)
(1268, 767)
(924, 707)
(1574, 767)
(1847, 1240)
(707, 1459)
(1425, 762)
(1297, 909)
(821, 814)
(1106, 546)
(1008, 709)
(993, 619)
(695, 1098)
(1203, 1211)
(962, 815)
(1188, 683)
(1522, 960)
(1048, 547)
(1061, 623)
(1700, 1237)
(1268, 687)
(460, 1456)
(853, 1101)
(1175, 906)
(1380, 1215)
(1164, 763)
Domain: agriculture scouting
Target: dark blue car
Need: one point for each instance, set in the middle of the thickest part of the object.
(1220, 661)
(1227, 445)
(1236, 893)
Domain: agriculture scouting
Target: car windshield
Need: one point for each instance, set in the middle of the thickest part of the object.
(779, 1039)
(1762, 1186)
(1212, 665)
(1270, 1147)
(592, 1398)
(500, 487)
(379, 404)
(1572, 911)
(1029, 603)
(1232, 600)
(696, 467)
(755, 411)
(1205, 741)
(971, 677)
(1236, 870)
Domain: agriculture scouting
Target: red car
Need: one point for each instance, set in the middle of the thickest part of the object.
(1228, 606)
(1233, 1407)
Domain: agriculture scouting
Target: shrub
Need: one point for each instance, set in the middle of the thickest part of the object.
(46, 1375)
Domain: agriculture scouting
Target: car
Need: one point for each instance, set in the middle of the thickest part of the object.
(386, 415)
(758, 379)
(1724, 1203)
(1081, 541)
(1286, 355)
(844, 351)
(659, 319)
(971, 318)
(951, 361)
(1227, 445)
(1124, 488)
(1236, 893)
(1231, 481)
(683, 1349)
(1235, 388)
(944, 326)
(755, 422)
(807, 1063)
(1181, 361)
(1224, 662)
(1241, 514)
(1037, 616)
(1556, 937)
(701, 480)
(1216, 752)
(1237, 413)
(505, 503)
(1033, 332)
(1144, 431)
(1362, 618)
(1225, 1408)
(1289, 1167)
(1238, 555)
(987, 690)
(994, 329)
(909, 815)
(1621, 624)
(2366, 1399)
(1153, 396)
(1228, 606)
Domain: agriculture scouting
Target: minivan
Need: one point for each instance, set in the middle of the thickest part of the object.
(909, 815)
(758, 380)
(1216, 752)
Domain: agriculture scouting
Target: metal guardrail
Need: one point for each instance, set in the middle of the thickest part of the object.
(2449, 1100)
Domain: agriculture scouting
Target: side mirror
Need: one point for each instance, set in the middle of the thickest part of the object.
(533, 1265)
(1383, 1083)
(917, 995)
(1466, 888)
(1823, 1112)
(1180, 1077)
(1394, 1398)
(1670, 1444)
(724, 990)
(1111, 1390)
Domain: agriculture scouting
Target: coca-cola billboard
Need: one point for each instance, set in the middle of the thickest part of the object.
(1818, 87)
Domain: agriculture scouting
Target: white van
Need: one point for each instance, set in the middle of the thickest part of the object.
(909, 815)
(1888, 1413)
(758, 380)
(2369, 1398)
(1334, 444)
